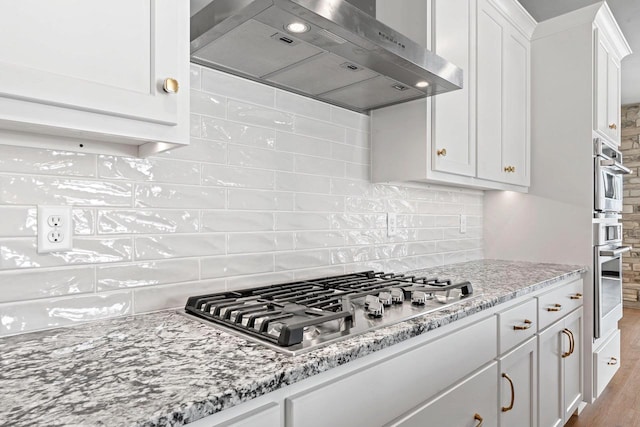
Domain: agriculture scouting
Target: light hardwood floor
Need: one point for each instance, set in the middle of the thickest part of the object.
(619, 404)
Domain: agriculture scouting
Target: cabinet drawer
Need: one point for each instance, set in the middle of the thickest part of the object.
(402, 382)
(517, 325)
(558, 303)
(606, 362)
(473, 402)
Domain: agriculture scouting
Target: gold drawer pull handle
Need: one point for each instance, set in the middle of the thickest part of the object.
(509, 168)
(513, 393)
(555, 307)
(170, 85)
(527, 325)
(576, 296)
(613, 126)
(442, 152)
(569, 334)
(478, 418)
(613, 361)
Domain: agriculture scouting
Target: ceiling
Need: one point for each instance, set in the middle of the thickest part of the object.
(626, 12)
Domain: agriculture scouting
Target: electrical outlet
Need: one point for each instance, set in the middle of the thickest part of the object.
(463, 224)
(55, 229)
(392, 224)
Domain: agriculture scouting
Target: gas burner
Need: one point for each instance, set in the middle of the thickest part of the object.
(301, 316)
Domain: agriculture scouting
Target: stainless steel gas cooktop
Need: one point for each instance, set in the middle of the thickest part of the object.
(301, 316)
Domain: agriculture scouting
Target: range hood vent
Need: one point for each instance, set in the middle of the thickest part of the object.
(325, 49)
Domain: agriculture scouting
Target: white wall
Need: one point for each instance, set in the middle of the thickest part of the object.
(273, 187)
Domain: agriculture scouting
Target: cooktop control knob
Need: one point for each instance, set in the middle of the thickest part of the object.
(418, 297)
(397, 296)
(385, 298)
(375, 309)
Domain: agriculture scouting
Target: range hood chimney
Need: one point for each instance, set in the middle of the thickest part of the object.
(329, 50)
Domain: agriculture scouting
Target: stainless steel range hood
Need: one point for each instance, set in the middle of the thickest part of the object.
(343, 56)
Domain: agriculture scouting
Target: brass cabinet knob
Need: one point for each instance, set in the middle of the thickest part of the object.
(612, 361)
(170, 85)
(442, 152)
(613, 126)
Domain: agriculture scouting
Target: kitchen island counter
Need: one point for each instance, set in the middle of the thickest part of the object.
(162, 369)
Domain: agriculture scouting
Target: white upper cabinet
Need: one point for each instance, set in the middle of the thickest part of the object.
(503, 98)
(607, 77)
(477, 136)
(90, 71)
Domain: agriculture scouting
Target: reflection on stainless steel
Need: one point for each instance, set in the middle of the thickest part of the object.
(297, 317)
(346, 58)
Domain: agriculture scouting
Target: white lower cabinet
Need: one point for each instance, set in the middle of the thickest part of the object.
(472, 402)
(518, 386)
(267, 415)
(560, 370)
(606, 362)
(380, 393)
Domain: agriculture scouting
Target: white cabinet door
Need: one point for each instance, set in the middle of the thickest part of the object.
(518, 386)
(560, 370)
(472, 402)
(453, 145)
(95, 67)
(572, 375)
(550, 410)
(607, 101)
(503, 99)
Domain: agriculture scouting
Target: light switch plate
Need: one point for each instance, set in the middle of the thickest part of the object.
(55, 229)
(463, 224)
(392, 224)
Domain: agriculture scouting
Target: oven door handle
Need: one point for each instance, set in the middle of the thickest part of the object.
(615, 252)
(615, 167)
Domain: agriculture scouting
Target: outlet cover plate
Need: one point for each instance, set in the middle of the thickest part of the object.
(58, 219)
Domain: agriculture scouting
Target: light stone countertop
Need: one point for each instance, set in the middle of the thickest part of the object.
(163, 369)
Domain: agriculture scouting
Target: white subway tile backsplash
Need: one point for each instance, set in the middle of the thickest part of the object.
(302, 183)
(235, 87)
(49, 313)
(146, 274)
(319, 166)
(34, 190)
(258, 158)
(21, 253)
(199, 150)
(179, 196)
(350, 119)
(301, 105)
(318, 203)
(160, 297)
(319, 129)
(302, 259)
(236, 176)
(179, 245)
(302, 221)
(259, 242)
(301, 144)
(137, 221)
(260, 200)
(260, 116)
(318, 239)
(237, 221)
(46, 162)
(238, 133)
(36, 283)
(236, 265)
(274, 187)
(160, 170)
(208, 104)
